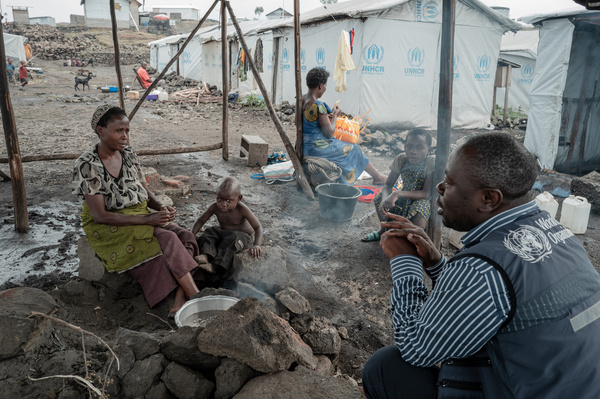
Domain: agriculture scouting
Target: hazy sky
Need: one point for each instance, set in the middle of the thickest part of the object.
(61, 9)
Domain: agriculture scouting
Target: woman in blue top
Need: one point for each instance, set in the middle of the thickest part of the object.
(318, 133)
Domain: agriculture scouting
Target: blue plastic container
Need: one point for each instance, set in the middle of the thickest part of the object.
(113, 89)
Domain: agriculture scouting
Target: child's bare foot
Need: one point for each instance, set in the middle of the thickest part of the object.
(201, 259)
(208, 267)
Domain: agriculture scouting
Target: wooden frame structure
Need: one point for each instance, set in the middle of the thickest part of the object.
(443, 129)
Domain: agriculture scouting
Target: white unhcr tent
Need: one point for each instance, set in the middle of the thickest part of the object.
(520, 48)
(14, 47)
(563, 130)
(396, 53)
(189, 63)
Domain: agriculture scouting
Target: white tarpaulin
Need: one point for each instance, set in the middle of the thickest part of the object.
(396, 52)
(520, 48)
(545, 98)
(14, 48)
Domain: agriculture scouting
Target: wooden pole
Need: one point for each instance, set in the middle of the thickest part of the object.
(506, 89)
(225, 76)
(494, 101)
(166, 151)
(175, 57)
(300, 177)
(444, 124)
(113, 19)
(12, 146)
(299, 102)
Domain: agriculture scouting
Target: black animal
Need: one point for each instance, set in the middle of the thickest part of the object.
(83, 81)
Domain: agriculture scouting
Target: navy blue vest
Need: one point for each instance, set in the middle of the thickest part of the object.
(549, 347)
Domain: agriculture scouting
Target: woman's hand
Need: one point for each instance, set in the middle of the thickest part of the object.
(403, 228)
(162, 217)
(336, 111)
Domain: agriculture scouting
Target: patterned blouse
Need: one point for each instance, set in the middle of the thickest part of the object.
(90, 177)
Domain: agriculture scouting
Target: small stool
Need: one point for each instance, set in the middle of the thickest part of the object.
(255, 148)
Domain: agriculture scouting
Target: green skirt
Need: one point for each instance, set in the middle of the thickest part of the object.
(121, 247)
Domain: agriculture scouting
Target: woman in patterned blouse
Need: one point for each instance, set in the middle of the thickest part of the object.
(117, 220)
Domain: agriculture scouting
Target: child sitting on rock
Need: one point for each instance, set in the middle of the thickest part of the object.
(218, 245)
(416, 167)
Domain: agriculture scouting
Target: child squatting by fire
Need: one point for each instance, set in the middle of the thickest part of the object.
(415, 167)
(237, 223)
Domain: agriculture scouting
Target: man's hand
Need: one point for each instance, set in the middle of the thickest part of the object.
(403, 228)
(395, 245)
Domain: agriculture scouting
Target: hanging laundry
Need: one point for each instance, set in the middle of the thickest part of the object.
(351, 41)
(258, 55)
(343, 62)
(241, 63)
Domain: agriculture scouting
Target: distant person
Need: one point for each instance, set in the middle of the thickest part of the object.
(318, 125)
(237, 223)
(145, 77)
(23, 75)
(415, 167)
(10, 72)
(78, 63)
(28, 50)
(90, 61)
(514, 314)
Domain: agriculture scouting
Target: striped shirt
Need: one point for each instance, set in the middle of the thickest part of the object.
(465, 309)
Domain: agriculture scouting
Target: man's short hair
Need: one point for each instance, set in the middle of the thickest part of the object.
(315, 77)
(497, 160)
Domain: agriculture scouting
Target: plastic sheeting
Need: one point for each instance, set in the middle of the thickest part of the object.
(582, 54)
(545, 98)
(397, 64)
(521, 81)
(14, 48)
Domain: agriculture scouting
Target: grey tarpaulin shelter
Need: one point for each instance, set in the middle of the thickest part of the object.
(564, 118)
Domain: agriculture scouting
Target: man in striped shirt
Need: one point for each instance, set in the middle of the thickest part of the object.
(514, 256)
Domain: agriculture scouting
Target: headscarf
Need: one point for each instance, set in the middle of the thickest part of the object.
(99, 113)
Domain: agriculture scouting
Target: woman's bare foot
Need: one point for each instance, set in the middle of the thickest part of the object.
(179, 300)
(201, 259)
(208, 267)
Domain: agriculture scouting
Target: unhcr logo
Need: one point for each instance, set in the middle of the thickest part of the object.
(302, 59)
(456, 73)
(187, 58)
(415, 57)
(271, 60)
(321, 56)
(426, 11)
(205, 59)
(372, 56)
(286, 59)
(483, 66)
(526, 74)
(214, 61)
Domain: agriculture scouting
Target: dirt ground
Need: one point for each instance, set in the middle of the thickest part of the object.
(352, 278)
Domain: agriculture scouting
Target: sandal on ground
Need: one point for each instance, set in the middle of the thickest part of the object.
(372, 236)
